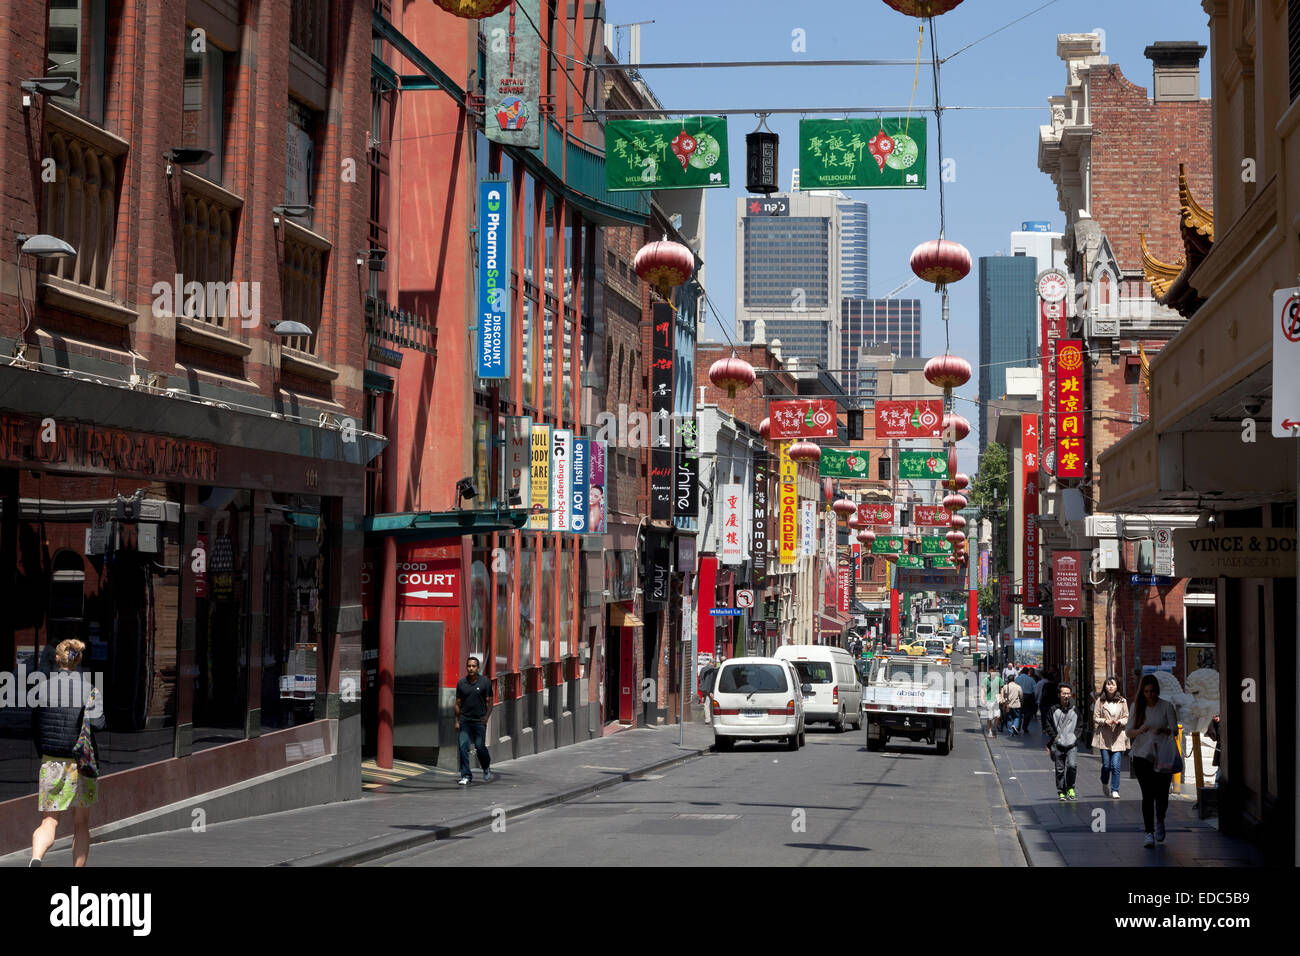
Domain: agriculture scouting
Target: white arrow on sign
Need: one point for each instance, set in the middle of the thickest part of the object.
(1069, 608)
(429, 594)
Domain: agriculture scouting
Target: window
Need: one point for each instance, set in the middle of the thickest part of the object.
(77, 38)
(752, 679)
(813, 672)
(300, 159)
(204, 104)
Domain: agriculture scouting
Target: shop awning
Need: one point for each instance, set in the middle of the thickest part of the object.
(831, 624)
(445, 524)
(619, 616)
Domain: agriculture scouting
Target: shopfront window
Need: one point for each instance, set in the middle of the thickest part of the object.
(527, 605)
(295, 589)
(76, 564)
(221, 618)
(546, 609)
(565, 636)
(478, 610)
(503, 563)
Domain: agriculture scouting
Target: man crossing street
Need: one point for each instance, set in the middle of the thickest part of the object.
(473, 708)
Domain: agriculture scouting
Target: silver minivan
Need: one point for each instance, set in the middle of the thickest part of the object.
(756, 698)
(837, 691)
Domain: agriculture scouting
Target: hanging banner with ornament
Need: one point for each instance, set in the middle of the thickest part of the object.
(934, 544)
(911, 561)
(513, 79)
(1069, 407)
(877, 153)
(869, 514)
(688, 153)
(788, 529)
(815, 418)
(922, 465)
(1029, 461)
(843, 463)
(919, 419)
(935, 516)
(887, 545)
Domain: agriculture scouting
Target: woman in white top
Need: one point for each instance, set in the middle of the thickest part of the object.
(1152, 719)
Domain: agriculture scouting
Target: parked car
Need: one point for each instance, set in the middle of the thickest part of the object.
(837, 690)
(757, 698)
(963, 644)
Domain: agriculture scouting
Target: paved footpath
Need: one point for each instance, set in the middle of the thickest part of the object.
(402, 815)
(1062, 834)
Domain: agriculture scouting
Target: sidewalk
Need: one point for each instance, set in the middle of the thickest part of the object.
(1062, 834)
(406, 813)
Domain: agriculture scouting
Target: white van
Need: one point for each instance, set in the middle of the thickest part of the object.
(756, 698)
(837, 691)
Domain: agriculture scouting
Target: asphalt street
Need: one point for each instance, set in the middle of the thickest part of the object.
(830, 803)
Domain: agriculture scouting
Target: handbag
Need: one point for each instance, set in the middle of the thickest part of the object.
(84, 752)
(1168, 759)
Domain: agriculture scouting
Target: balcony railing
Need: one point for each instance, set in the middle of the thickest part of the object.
(209, 224)
(81, 201)
(302, 282)
(389, 329)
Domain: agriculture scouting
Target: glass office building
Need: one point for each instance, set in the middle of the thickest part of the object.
(1008, 327)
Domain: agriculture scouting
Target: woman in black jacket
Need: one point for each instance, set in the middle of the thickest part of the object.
(70, 698)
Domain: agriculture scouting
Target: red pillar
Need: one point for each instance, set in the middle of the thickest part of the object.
(705, 603)
(893, 616)
(973, 616)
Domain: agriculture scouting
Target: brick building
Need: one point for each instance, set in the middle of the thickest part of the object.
(182, 472)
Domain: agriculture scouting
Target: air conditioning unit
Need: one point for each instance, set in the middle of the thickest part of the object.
(1101, 526)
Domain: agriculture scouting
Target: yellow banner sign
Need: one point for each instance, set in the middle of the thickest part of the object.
(541, 478)
(789, 525)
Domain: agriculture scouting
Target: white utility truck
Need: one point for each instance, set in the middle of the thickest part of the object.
(910, 697)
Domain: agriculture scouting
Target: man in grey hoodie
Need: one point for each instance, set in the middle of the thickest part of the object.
(1063, 742)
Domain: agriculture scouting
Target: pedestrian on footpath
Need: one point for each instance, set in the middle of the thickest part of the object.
(61, 729)
(1153, 722)
(1028, 707)
(989, 711)
(1047, 697)
(1061, 727)
(473, 708)
(1110, 717)
(1014, 698)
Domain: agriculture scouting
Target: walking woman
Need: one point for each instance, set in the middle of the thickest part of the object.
(68, 761)
(1153, 721)
(989, 709)
(1110, 717)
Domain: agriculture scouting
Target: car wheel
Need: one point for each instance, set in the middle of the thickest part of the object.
(792, 742)
(803, 737)
(722, 744)
(942, 749)
(873, 744)
(838, 724)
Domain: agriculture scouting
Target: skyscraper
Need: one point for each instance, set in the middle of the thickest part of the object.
(788, 273)
(895, 323)
(1008, 327)
(855, 246)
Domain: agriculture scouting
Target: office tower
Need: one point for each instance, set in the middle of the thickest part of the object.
(855, 243)
(865, 323)
(788, 273)
(1008, 327)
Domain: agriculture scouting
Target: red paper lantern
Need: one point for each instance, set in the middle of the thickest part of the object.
(954, 502)
(957, 522)
(664, 265)
(923, 9)
(828, 489)
(844, 507)
(961, 481)
(853, 520)
(867, 536)
(955, 427)
(941, 261)
(948, 371)
(475, 9)
(805, 451)
(732, 374)
(955, 536)
(765, 428)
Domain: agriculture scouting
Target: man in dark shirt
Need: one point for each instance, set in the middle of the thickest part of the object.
(473, 707)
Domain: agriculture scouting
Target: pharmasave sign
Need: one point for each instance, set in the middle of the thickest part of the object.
(1235, 553)
(105, 450)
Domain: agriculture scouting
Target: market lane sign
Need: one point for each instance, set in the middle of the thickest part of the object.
(1235, 552)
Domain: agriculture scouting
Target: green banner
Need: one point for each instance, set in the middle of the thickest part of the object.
(886, 153)
(666, 154)
(923, 465)
(942, 561)
(843, 463)
(887, 545)
(933, 544)
(911, 561)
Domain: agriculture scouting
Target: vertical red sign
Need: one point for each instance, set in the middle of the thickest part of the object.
(1029, 462)
(845, 578)
(1004, 592)
(857, 561)
(1069, 408)
(1052, 328)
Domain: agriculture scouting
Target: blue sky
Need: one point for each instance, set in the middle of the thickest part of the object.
(997, 184)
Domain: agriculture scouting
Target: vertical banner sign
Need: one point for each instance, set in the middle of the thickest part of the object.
(856, 551)
(516, 476)
(1067, 584)
(789, 529)
(828, 539)
(661, 412)
(658, 567)
(758, 524)
(581, 479)
(846, 577)
(561, 478)
(686, 485)
(984, 568)
(596, 510)
(540, 520)
(1069, 408)
(808, 529)
(513, 78)
(1029, 461)
(1004, 594)
(731, 548)
(1052, 327)
(492, 339)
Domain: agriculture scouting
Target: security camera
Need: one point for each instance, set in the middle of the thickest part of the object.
(1252, 406)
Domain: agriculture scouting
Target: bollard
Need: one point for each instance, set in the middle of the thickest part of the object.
(1196, 755)
(1178, 777)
